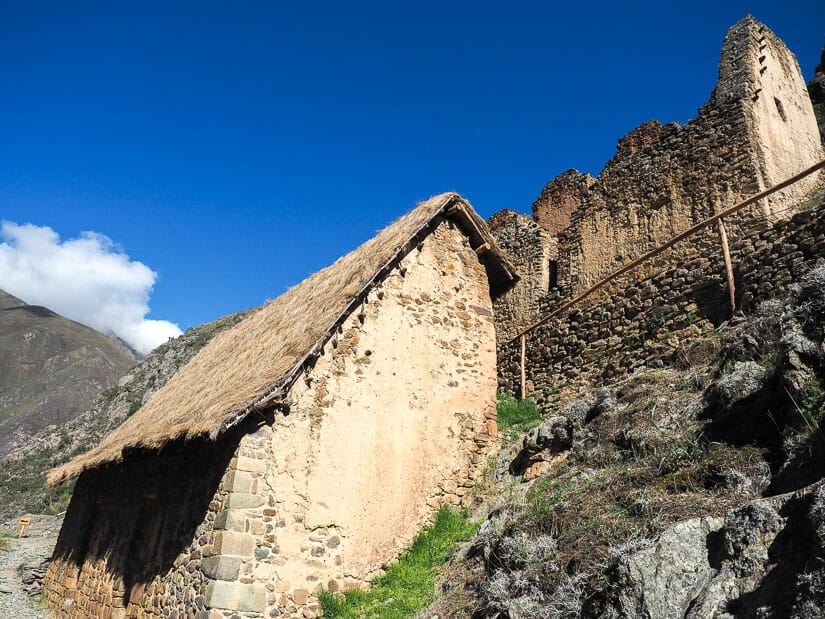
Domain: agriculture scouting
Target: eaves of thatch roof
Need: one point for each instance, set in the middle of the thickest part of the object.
(251, 366)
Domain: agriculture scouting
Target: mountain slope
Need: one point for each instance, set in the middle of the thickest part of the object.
(51, 369)
(22, 476)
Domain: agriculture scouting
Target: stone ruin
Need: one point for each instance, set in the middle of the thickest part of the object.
(757, 129)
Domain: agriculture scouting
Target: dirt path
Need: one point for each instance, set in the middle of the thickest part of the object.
(38, 544)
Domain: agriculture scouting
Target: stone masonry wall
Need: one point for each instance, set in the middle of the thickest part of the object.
(136, 535)
(643, 318)
(559, 198)
(816, 90)
(757, 129)
(394, 419)
(532, 251)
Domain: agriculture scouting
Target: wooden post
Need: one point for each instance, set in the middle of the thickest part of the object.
(522, 394)
(723, 238)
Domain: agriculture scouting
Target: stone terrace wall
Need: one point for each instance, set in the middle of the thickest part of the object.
(642, 320)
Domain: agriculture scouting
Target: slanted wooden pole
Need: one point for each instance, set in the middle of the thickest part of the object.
(522, 394)
(676, 239)
(723, 238)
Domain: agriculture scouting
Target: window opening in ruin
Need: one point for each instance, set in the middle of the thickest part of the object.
(553, 275)
(781, 109)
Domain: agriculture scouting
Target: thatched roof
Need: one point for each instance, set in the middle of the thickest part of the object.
(252, 365)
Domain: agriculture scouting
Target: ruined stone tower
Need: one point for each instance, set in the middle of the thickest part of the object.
(757, 129)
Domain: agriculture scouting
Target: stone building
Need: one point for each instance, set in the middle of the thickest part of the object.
(758, 129)
(304, 448)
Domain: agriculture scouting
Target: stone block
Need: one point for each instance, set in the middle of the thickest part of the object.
(239, 481)
(230, 520)
(221, 567)
(234, 543)
(236, 596)
(253, 465)
(244, 500)
(300, 596)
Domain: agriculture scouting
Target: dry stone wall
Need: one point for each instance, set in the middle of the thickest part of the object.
(643, 319)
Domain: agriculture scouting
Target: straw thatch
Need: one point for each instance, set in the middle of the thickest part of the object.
(253, 364)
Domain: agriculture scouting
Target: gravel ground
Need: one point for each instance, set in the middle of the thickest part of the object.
(38, 543)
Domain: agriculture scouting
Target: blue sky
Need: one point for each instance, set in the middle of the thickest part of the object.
(234, 148)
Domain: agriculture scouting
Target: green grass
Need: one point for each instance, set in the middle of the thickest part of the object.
(5, 540)
(409, 585)
(516, 415)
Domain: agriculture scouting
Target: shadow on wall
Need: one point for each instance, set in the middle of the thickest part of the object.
(712, 300)
(139, 516)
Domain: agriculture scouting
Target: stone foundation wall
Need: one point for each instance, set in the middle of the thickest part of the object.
(644, 318)
(136, 534)
(394, 419)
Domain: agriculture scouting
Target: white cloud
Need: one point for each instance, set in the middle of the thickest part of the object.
(88, 279)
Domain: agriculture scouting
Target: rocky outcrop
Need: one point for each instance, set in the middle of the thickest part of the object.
(761, 559)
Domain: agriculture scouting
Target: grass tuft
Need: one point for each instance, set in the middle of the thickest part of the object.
(409, 585)
(516, 415)
(5, 540)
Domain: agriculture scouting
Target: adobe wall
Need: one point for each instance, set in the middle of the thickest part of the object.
(394, 419)
(644, 320)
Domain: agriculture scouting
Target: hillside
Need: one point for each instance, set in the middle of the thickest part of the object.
(22, 477)
(51, 369)
(692, 489)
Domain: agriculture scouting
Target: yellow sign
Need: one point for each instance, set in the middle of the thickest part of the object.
(23, 522)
